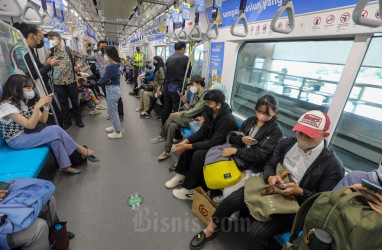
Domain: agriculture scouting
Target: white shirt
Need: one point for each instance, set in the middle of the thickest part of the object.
(296, 161)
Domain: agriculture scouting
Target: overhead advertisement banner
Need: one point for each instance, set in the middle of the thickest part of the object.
(261, 10)
(216, 62)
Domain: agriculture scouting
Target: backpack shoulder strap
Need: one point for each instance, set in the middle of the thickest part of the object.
(300, 217)
(69, 51)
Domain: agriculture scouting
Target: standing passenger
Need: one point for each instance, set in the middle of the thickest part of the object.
(139, 62)
(176, 66)
(111, 80)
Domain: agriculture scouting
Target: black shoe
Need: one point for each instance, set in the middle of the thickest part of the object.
(71, 235)
(80, 123)
(66, 125)
(200, 240)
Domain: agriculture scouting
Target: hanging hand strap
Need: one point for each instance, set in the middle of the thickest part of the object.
(358, 18)
(196, 32)
(213, 25)
(288, 7)
(182, 36)
(33, 7)
(243, 18)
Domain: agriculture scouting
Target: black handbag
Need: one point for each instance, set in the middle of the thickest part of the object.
(40, 126)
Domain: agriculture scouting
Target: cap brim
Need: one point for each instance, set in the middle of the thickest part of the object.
(312, 133)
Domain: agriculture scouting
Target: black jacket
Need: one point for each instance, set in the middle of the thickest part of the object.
(43, 68)
(256, 156)
(323, 175)
(214, 132)
(176, 66)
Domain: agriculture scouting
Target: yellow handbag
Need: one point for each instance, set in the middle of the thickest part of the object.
(221, 174)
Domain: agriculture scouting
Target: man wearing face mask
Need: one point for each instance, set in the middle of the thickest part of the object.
(218, 122)
(179, 120)
(64, 78)
(313, 167)
(35, 39)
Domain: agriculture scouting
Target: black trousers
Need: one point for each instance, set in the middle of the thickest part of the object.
(260, 233)
(191, 164)
(135, 76)
(63, 93)
(120, 103)
(171, 104)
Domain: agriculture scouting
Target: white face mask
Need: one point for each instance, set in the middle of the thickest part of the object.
(29, 95)
(53, 43)
(193, 89)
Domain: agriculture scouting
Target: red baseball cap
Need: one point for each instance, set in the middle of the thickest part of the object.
(313, 123)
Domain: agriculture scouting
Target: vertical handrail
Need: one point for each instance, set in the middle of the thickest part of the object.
(27, 7)
(17, 13)
(289, 8)
(358, 18)
(241, 17)
(188, 67)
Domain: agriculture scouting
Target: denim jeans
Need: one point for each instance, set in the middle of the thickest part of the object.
(113, 93)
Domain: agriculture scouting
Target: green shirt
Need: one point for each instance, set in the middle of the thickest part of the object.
(196, 107)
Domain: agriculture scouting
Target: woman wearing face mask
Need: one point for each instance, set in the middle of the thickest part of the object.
(148, 98)
(111, 80)
(218, 122)
(19, 111)
(252, 150)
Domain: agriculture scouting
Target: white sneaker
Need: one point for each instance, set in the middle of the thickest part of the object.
(139, 110)
(115, 135)
(218, 199)
(100, 107)
(183, 194)
(110, 129)
(175, 181)
(164, 156)
(157, 139)
(235, 216)
(95, 112)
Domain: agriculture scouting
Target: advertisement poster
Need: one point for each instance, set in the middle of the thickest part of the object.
(216, 62)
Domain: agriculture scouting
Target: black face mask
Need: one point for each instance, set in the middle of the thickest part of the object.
(40, 45)
(208, 110)
(102, 50)
(155, 64)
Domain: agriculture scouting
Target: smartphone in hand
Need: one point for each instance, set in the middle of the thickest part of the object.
(253, 140)
(279, 186)
(51, 94)
(372, 187)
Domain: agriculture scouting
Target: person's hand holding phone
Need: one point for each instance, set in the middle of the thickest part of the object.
(54, 62)
(248, 140)
(199, 119)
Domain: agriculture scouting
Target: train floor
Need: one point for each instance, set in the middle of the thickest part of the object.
(95, 202)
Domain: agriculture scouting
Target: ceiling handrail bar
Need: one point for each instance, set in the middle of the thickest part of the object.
(289, 8)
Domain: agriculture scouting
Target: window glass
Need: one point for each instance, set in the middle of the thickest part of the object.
(358, 138)
(197, 63)
(303, 75)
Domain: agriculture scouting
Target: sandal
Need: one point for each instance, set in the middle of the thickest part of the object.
(91, 157)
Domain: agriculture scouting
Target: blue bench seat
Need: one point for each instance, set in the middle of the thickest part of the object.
(21, 163)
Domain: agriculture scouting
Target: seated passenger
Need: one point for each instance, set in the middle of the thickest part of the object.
(218, 122)
(87, 95)
(20, 112)
(36, 236)
(150, 94)
(354, 179)
(313, 168)
(181, 119)
(261, 134)
(144, 78)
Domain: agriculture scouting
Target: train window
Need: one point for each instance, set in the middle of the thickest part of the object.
(197, 63)
(358, 138)
(303, 75)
